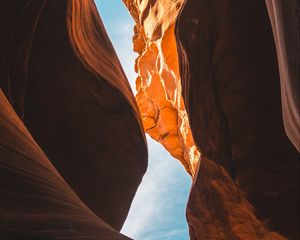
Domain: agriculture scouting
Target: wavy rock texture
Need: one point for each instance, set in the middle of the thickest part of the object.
(158, 84)
(61, 74)
(232, 95)
(36, 202)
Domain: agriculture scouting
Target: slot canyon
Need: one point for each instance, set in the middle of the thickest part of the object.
(217, 86)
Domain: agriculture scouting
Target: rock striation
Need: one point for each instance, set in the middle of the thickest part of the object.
(61, 75)
(158, 83)
(36, 202)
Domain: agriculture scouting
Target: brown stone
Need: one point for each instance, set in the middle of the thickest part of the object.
(217, 209)
(61, 74)
(35, 201)
(231, 88)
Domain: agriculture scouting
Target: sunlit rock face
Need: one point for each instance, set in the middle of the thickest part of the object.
(61, 75)
(158, 84)
(248, 181)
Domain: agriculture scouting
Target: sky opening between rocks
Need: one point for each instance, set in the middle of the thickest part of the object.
(158, 209)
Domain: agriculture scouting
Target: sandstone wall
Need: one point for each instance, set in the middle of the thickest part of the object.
(232, 94)
(36, 202)
(62, 76)
(158, 83)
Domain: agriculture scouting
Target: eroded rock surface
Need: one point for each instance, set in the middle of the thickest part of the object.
(61, 74)
(231, 88)
(158, 84)
(217, 209)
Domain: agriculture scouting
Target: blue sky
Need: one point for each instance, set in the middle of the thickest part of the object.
(158, 209)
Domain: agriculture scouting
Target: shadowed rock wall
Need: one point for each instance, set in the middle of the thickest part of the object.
(61, 74)
(36, 202)
(231, 90)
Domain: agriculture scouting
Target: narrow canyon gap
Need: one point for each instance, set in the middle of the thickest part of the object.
(217, 84)
(158, 209)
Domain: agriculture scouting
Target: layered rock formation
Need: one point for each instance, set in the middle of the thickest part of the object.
(247, 186)
(158, 84)
(36, 202)
(63, 78)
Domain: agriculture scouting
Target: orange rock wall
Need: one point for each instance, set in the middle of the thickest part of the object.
(158, 83)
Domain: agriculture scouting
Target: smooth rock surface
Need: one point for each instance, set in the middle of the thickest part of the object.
(231, 89)
(61, 74)
(35, 201)
(285, 20)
